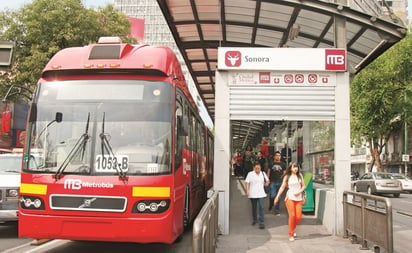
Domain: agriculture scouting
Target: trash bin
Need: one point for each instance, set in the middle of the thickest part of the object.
(310, 200)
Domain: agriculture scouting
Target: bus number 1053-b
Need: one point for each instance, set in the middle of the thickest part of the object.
(107, 163)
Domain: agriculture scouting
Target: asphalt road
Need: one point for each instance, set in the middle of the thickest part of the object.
(402, 223)
(9, 243)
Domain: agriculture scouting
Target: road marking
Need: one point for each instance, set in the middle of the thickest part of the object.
(50, 245)
(16, 248)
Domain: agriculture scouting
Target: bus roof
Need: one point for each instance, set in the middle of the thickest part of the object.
(114, 58)
(110, 57)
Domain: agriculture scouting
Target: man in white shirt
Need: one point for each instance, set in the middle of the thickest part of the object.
(255, 182)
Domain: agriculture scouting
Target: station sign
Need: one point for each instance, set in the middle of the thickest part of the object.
(282, 59)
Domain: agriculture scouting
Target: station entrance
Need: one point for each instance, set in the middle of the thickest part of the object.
(299, 105)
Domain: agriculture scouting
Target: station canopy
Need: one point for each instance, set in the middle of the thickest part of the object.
(199, 27)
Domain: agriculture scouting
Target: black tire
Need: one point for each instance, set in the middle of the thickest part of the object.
(396, 195)
(186, 215)
(186, 210)
(179, 238)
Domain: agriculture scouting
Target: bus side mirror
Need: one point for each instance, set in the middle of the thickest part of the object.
(59, 117)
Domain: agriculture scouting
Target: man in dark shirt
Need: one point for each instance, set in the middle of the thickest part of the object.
(275, 173)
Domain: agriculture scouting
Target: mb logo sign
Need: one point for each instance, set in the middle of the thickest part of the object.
(74, 184)
(335, 59)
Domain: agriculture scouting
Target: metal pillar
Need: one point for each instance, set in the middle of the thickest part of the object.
(342, 129)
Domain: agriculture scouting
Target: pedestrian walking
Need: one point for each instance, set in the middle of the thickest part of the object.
(255, 182)
(275, 173)
(265, 149)
(248, 160)
(293, 180)
(238, 164)
(262, 160)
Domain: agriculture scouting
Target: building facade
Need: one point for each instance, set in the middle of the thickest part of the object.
(157, 33)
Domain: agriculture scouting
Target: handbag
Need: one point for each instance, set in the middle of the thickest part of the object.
(267, 188)
(303, 198)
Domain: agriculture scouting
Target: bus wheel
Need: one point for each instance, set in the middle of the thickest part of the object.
(179, 238)
(186, 209)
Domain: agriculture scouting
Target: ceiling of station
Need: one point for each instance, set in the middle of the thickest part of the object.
(200, 27)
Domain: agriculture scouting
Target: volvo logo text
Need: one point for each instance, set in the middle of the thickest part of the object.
(87, 202)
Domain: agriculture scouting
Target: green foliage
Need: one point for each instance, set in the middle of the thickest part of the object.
(380, 96)
(43, 27)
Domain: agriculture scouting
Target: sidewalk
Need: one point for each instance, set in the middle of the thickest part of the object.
(312, 237)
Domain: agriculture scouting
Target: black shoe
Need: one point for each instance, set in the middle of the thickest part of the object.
(261, 226)
(270, 208)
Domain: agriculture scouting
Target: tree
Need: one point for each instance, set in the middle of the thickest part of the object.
(43, 27)
(380, 98)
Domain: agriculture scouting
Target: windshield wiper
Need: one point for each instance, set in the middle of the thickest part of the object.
(12, 171)
(105, 145)
(80, 144)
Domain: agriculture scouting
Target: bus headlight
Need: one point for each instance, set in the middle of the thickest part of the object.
(141, 207)
(32, 203)
(151, 206)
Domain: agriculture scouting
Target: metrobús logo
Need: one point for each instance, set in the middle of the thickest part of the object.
(264, 77)
(335, 59)
(77, 184)
(233, 58)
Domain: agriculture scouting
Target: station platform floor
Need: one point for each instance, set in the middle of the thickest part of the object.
(312, 236)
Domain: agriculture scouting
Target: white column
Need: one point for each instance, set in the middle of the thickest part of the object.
(221, 177)
(342, 146)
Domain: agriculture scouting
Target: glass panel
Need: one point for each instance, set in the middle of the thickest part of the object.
(100, 133)
(308, 143)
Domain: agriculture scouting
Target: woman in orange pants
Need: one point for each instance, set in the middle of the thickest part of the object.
(293, 180)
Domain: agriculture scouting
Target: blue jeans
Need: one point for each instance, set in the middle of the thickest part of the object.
(274, 189)
(257, 203)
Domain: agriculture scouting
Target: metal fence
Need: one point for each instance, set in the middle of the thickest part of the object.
(369, 218)
(205, 227)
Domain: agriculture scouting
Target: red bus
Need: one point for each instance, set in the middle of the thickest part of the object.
(124, 153)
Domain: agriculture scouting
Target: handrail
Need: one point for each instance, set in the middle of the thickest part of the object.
(205, 227)
(370, 218)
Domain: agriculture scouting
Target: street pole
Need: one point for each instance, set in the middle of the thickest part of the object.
(405, 134)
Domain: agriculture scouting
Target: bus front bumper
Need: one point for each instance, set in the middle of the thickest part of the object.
(98, 228)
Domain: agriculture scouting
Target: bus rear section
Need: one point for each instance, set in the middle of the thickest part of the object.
(114, 148)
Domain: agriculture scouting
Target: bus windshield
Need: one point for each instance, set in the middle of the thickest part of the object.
(101, 127)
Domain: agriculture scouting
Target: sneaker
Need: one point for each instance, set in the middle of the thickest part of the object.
(277, 213)
(261, 226)
(291, 239)
(294, 234)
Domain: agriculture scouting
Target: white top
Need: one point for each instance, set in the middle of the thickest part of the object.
(256, 184)
(295, 185)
